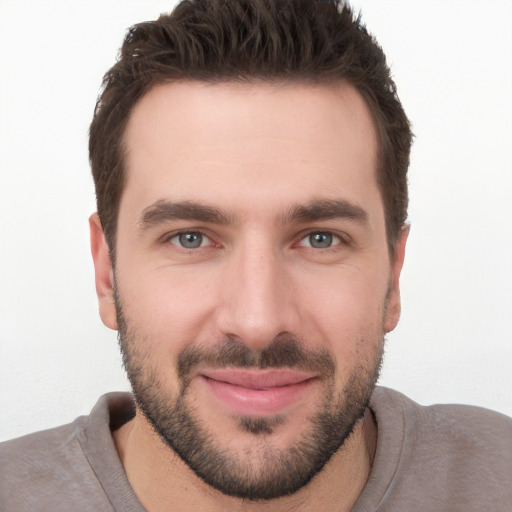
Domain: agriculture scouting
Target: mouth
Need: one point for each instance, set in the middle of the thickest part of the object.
(257, 393)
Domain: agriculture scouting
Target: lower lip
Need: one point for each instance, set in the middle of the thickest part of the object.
(257, 402)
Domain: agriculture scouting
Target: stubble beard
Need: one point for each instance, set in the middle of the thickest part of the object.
(264, 472)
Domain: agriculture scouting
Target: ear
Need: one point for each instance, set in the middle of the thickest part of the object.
(394, 306)
(104, 273)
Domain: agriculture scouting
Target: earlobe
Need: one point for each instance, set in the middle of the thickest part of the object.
(104, 273)
(393, 306)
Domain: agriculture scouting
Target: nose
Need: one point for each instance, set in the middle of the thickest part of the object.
(257, 299)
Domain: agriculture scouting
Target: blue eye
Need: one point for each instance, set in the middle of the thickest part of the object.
(320, 240)
(190, 240)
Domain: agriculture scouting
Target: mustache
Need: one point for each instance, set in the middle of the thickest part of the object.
(284, 351)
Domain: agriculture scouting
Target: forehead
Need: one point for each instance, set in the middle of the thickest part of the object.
(247, 145)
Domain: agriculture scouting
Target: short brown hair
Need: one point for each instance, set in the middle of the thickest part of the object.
(315, 41)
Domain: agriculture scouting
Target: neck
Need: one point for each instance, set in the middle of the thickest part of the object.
(159, 477)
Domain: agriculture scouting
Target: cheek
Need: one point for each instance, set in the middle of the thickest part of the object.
(345, 312)
(168, 308)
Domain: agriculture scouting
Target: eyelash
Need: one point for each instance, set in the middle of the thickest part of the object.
(170, 236)
(337, 239)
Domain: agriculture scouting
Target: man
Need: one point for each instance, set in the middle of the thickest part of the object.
(250, 164)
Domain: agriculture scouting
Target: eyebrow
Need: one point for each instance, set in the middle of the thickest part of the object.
(164, 211)
(326, 209)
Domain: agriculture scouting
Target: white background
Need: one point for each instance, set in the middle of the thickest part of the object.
(452, 61)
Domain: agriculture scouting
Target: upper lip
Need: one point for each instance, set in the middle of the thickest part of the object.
(257, 379)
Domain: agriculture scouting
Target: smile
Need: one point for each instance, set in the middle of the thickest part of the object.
(259, 392)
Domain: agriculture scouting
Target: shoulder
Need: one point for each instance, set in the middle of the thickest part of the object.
(39, 470)
(462, 426)
(456, 456)
(39, 452)
(453, 418)
(53, 469)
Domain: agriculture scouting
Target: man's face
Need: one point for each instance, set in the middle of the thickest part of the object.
(253, 282)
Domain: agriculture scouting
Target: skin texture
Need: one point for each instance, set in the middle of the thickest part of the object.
(280, 167)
